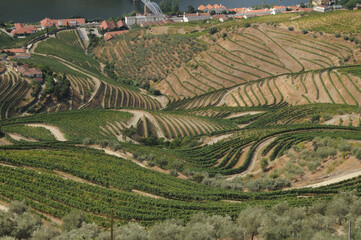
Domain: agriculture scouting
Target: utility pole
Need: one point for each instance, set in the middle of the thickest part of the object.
(111, 224)
(349, 230)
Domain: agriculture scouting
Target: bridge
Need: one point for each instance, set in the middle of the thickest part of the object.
(152, 6)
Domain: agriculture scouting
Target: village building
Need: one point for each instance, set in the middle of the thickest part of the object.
(19, 53)
(321, 8)
(25, 71)
(143, 18)
(278, 9)
(112, 25)
(189, 17)
(47, 22)
(217, 8)
(220, 17)
(110, 35)
(323, 2)
(21, 30)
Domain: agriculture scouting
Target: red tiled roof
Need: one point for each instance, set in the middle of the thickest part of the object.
(110, 35)
(204, 14)
(25, 70)
(21, 29)
(201, 7)
(209, 6)
(15, 50)
(111, 25)
(238, 9)
(47, 22)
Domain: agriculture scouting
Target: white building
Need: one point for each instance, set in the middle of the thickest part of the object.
(321, 8)
(188, 17)
(142, 18)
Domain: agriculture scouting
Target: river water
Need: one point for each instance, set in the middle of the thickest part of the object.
(35, 10)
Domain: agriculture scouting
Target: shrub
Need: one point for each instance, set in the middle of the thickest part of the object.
(304, 31)
(247, 25)
(73, 220)
(337, 35)
(87, 141)
(315, 118)
(173, 173)
(213, 30)
(264, 164)
(291, 28)
(345, 38)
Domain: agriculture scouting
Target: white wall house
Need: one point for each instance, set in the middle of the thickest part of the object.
(189, 17)
(321, 8)
(142, 18)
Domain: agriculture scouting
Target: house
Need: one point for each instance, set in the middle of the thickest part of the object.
(20, 29)
(321, 2)
(15, 50)
(47, 22)
(239, 10)
(218, 8)
(188, 17)
(111, 25)
(25, 71)
(221, 18)
(278, 9)
(143, 18)
(19, 53)
(110, 35)
(321, 8)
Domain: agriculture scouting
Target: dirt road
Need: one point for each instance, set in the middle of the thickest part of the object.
(59, 135)
(138, 114)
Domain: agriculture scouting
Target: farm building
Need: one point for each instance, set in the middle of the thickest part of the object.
(29, 72)
(110, 35)
(221, 18)
(111, 25)
(189, 17)
(143, 18)
(19, 53)
(321, 8)
(217, 8)
(47, 22)
(20, 29)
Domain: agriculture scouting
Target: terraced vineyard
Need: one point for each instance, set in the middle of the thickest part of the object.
(317, 86)
(12, 92)
(245, 106)
(148, 58)
(251, 54)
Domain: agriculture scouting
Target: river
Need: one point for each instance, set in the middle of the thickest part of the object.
(35, 10)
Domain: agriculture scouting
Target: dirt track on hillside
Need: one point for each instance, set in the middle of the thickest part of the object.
(138, 114)
(59, 135)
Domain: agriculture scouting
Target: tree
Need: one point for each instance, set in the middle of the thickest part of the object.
(175, 6)
(191, 9)
(264, 164)
(26, 224)
(168, 230)
(213, 30)
(73, 220)
(251, 219)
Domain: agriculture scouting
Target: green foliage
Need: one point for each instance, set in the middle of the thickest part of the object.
(77, 124)
(264, 164)
(38, 133)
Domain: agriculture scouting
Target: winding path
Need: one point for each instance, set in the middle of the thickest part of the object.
(138, 114)
(59, 135)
